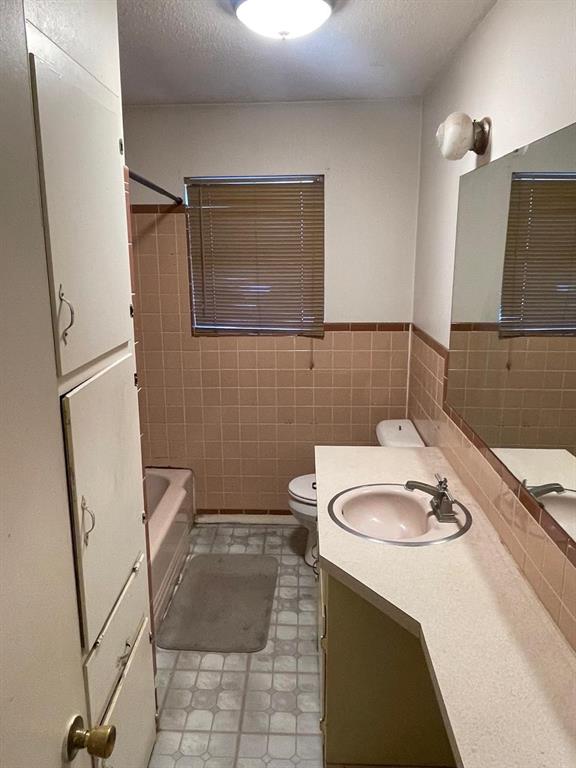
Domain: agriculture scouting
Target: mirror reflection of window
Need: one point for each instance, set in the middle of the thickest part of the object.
(512, 362)
(539, 275)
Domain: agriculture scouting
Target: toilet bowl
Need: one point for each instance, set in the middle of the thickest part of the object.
(302, 503)
(391, 433)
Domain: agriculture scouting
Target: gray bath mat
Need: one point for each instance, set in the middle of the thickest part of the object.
(223, 604)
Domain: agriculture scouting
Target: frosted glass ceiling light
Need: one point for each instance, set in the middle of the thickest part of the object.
(283, 19)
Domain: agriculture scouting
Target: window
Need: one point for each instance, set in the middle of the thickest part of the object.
(539, 277)
(256, 255)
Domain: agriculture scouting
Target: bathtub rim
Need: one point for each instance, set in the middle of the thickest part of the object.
(160, 521)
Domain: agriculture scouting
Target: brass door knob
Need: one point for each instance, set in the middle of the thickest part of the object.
(97, 741)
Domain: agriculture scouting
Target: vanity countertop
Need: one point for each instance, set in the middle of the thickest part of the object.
(504, 674)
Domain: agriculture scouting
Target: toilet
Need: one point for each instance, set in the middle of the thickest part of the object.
(391, 433)
(302, 503)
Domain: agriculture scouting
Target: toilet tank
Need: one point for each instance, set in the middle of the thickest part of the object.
(398, 433)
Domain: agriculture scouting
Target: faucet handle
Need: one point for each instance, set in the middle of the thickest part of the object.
(442, 481)
(443, 487)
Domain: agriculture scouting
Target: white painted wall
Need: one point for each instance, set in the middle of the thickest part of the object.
(519, 68)
(368, 151)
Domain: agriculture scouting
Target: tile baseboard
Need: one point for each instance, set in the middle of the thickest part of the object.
(235, 512)
(245, 519)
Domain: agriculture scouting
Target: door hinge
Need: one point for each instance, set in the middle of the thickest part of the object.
(150, 637)
(144, 517)
(121, 146)
(135, 379)
(131, 310)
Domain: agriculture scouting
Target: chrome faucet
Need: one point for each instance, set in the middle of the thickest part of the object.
(442, 503)
(541, 490)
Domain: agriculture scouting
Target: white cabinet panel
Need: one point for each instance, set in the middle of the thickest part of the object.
(132, 709)
(87, 31)
(106, 661)
(84, 218)
(103, 451)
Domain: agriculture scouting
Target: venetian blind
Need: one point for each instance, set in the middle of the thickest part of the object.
(256, 255)
(539, 276)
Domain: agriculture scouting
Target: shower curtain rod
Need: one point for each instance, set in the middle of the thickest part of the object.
(150, 184)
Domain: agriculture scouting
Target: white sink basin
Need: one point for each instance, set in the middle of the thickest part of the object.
(562, 507)
(390, 513)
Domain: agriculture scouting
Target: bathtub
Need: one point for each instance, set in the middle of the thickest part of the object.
(170, 509)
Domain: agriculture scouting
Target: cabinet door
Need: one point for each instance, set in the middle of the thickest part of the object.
(105, 663)
(87, 32)
(84, 218)
(322, 641)
(103, 452)
(132, 709)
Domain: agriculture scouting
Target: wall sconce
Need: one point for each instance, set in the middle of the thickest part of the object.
(459, 134)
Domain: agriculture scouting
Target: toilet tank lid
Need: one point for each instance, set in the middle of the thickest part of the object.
(398, 433)
(303, 487)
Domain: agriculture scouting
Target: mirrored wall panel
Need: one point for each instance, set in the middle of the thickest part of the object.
(512, 363)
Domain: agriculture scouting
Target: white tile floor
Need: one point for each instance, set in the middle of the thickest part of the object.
(252, 710)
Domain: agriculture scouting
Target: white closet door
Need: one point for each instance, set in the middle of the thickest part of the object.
(103, 451)
(84, 217)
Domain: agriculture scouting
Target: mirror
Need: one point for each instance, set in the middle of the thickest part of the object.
(512, 361)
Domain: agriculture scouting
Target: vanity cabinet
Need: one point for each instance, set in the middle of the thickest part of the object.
(379, 704)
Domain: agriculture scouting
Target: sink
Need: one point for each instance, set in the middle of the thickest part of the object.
(388, 512)
(562, 507)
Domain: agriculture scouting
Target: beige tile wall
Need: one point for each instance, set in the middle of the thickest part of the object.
(515, 392)
(245, 412)
(542, 551)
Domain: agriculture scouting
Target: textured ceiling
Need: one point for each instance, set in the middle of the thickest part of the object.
(196, 51)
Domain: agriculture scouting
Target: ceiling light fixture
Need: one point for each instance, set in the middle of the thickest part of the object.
(283, 19)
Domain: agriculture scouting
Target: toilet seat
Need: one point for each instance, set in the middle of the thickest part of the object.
(303, 489)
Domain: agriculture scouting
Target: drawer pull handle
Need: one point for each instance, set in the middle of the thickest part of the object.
(70, 306)
(123, 659)
(85, 508)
